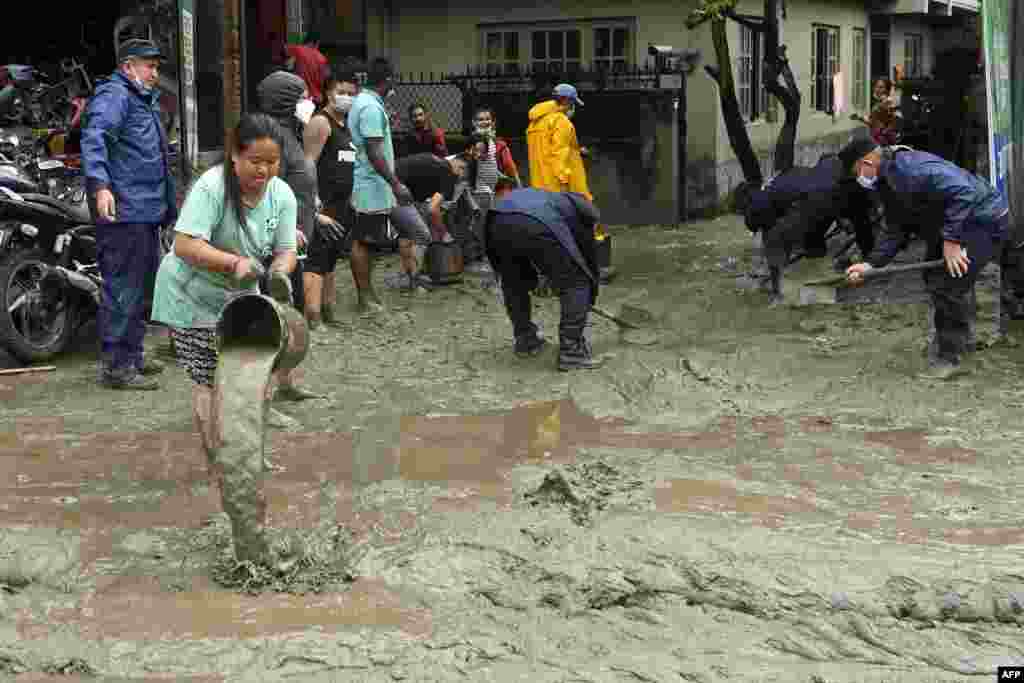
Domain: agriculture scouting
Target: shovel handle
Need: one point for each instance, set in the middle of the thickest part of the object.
(605, 314)
(879, 272)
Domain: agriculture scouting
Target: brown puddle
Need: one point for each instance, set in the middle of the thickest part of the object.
(693, 495)
(816, 424)
(9, 386)
(841, 471)
(772, 428)
(913, 447)
(482, 449)
(989, 536)
(135, 607)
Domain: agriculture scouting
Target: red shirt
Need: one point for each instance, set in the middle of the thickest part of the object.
(310, 65)
(428, 141)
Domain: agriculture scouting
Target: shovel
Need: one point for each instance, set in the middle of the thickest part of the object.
(824, 291)
(632, 332)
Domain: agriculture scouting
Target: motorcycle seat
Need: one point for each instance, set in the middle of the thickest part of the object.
(76, 213)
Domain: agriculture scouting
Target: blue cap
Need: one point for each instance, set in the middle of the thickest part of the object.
(566, 90)
(137, 48)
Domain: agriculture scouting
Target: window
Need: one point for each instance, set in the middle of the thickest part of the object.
(611, 49)
(860, 71)
(755, 101)
(824, 65)
(501, 52)
(913, 49)
(563, 47)
(556, 51)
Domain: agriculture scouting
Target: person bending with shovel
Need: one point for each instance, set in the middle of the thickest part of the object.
(962, 218)
(529, 230)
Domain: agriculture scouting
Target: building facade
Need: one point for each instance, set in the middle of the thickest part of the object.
(835, 47)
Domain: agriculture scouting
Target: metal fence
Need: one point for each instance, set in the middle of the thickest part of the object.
(451, 99)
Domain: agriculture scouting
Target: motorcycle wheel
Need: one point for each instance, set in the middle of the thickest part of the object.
(32, 328)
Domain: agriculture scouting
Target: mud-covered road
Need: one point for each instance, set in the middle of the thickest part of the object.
(763, 495)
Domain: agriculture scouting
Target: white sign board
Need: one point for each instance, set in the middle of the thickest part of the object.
(188, 70)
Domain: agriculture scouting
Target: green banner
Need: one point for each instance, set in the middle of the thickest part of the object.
(996, 34)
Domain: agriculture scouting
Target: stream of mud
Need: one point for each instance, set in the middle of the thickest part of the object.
(243, 374)
(764, 494)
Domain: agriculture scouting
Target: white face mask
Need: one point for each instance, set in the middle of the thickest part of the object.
(867, 183)
(343, 103)
(304, 110)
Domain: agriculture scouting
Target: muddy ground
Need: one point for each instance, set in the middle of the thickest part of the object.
(764, 495)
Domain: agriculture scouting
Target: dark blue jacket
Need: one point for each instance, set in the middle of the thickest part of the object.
(773, 200)
(569, 216)
(934, 198)
(124, 149)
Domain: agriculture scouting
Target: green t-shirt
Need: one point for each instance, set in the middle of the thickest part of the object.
(188, 296)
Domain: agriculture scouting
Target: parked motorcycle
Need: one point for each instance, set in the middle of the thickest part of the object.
(27, 167)
(49, 278)
(27, 98)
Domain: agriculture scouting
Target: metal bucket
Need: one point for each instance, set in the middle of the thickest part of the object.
(255, 320)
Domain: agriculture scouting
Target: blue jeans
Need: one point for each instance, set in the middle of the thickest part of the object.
(128, 255)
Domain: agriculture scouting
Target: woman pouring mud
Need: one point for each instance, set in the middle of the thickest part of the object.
(236, 216)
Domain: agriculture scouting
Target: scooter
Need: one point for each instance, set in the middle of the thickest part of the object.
(49, 278)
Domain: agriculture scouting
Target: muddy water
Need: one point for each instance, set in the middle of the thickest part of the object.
(243, 374)
(760, 496)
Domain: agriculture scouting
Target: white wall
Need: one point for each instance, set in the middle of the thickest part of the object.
(901, 26)
(801, 15)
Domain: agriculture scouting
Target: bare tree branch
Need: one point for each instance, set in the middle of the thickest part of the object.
(752, 22)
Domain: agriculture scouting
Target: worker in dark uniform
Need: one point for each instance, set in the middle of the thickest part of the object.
(962, 218)
(529, 230)
(795, 210)
(328, 144)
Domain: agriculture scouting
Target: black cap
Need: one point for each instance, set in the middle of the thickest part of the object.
(137, 48)
(855, 151)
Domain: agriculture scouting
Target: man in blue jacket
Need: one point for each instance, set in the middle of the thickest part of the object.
(529, 230)
(962, 218)
(131, 194)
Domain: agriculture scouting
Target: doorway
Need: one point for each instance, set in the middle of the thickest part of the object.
(880, 56)
(266, 34)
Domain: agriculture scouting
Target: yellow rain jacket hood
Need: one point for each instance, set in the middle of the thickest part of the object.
(554, 151)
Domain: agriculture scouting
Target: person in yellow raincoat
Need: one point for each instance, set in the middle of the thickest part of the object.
(556, 158)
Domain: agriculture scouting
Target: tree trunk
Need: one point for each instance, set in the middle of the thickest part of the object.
(734, 123)
(779, 81)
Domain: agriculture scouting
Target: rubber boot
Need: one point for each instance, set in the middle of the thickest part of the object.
(575, 353)
(931, 347)
(972, 321)
(775, 286)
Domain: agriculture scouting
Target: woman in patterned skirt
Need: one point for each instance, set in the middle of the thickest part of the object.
(238, 215)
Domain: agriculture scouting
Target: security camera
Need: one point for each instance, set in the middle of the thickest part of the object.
(687, 54)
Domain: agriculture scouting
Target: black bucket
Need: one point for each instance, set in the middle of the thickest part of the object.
(443, 262)
(257, 320)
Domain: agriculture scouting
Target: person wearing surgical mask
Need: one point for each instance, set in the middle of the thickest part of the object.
(327, 143)
(280, 95)
(131, 195)
(963, 220)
